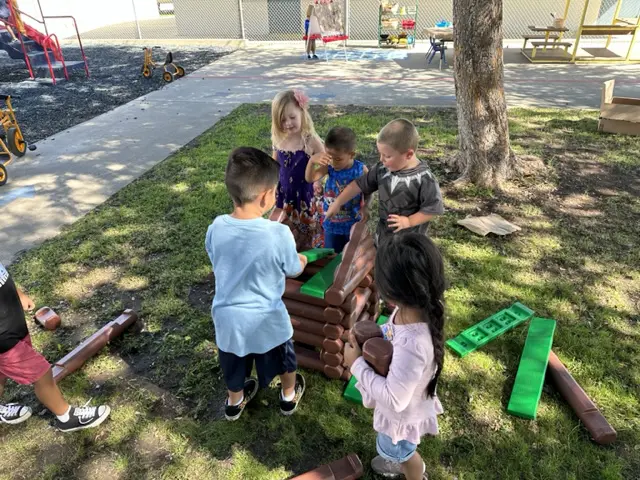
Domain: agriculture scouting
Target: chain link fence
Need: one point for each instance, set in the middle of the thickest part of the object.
(278, 20)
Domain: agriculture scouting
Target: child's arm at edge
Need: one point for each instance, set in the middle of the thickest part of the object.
(303, 265)
(347, 194)
(25, 300)
(317, 168)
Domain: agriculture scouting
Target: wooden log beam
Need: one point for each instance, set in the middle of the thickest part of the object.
(92, 345)
(306, 310)
(292, 291)
(347, 468)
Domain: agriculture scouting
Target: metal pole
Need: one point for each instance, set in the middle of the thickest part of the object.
(241, 20)
(135, 16)
(347, 19)
(46, 32)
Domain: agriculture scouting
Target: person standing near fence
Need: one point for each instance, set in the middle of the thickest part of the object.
(311, 33)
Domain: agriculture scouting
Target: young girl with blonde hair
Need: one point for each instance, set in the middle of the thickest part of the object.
(294, 141)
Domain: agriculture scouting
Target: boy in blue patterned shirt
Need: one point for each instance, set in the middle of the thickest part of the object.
(339, 166)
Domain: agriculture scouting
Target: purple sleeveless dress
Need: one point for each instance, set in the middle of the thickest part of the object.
(295, 195)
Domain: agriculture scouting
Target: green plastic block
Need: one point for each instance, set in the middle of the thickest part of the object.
(317, 253)
(351, 392)
(321, 281)
(483, 332)
(532, 369)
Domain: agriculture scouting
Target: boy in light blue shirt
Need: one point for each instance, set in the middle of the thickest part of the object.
(251, 258)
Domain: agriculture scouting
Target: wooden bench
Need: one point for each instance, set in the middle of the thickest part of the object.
(527, 37)
(566, 46)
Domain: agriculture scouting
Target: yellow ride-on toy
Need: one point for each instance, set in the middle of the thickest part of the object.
(171, 70)
(11, 140)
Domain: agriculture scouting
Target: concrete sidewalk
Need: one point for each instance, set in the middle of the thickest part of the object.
(76, 170)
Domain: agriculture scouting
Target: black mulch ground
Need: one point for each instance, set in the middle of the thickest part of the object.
(44, 109)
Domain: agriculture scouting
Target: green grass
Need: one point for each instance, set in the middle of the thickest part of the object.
(576, 260)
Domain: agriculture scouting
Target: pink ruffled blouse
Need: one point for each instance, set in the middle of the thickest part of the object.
(402, 409)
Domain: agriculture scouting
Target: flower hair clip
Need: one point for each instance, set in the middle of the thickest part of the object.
(301, 98)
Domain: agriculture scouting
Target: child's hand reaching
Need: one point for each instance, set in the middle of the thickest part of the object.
(321, 158)
(25, 300)
(332, 210)
(398, 222)
(351, 350)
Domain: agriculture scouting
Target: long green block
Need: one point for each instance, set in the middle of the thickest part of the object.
(351, 392)
(483, 332)
(317, 253)
(321, 281)
(532, 369)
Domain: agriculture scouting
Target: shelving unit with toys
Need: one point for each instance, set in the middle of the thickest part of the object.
(397, 25)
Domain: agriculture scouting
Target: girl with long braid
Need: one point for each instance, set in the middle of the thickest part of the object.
(410, 274)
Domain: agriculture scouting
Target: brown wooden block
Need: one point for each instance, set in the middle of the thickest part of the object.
(364, 331)
(308, 338)
(332, 359)
(333, 346)
(337, 293)
(333, 314)
(306, 310)
(349, 303)
(292, 291)
(601, 431)
(92, 345)
(309, 359)
(307, 325)
(352, 263)
(47, 318)
(333, 372)
(377, 352)
(332, 331)
(366, 282)
(362, 296)
(347, 468)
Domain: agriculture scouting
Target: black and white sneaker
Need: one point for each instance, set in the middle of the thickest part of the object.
(83, 417)
(14, 413)
(287, 408)
(233, 412)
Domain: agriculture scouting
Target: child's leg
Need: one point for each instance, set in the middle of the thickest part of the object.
(49, 394)
(3, 380)
(397, 458)
(288, 382)
(281, 361)
(413, 468)
(313, 46)
(241, 389)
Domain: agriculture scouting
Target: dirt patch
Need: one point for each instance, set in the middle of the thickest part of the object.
(201, 295)
(100, 467)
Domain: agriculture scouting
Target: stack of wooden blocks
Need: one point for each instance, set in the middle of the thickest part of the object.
(334, 292)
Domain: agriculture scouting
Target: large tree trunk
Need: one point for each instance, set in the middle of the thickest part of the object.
(485, 157)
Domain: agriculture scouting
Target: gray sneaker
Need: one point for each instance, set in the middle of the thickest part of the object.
(385, 468)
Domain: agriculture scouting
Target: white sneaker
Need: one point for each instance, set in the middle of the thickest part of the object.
(83, 417)
(385, 468)
(14, 413)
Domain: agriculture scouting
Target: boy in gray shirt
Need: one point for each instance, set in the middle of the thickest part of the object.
(409, 194)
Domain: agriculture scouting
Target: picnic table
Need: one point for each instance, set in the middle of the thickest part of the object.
(444, 34)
